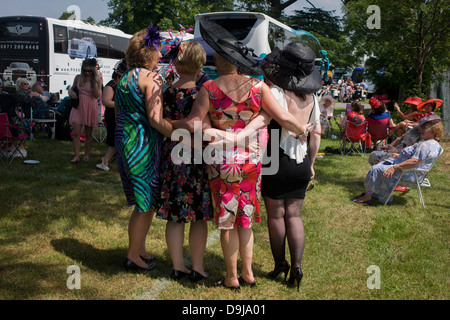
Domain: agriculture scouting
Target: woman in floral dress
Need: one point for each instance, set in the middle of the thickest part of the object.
(185, 196)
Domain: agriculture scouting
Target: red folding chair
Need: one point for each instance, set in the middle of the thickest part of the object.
(379, 130)
(8, 141)
(357, 136)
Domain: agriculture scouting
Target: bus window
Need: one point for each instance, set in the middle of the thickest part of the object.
(60, 36)
(239, 28)
(276, 37)
(118, 46)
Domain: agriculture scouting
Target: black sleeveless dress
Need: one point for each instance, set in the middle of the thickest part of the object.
(291, 179)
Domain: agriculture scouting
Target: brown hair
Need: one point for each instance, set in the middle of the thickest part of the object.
(88, 63)
(138, 54)
(191, 57)
(381, 108)
(37, 88)
(357, 107)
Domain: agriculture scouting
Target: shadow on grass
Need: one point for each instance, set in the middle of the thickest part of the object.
(107, 261)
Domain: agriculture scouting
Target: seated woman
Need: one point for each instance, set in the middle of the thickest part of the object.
(355, 116)
(379, 112)
(408, 116)
(383, 176)
(377, 119)
(326, 106)
(424, 109)
(28, 99)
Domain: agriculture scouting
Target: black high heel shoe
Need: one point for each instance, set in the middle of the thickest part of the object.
(197, 276)
(177, 274)
(296, 276)
(281, 267)
(130, 265)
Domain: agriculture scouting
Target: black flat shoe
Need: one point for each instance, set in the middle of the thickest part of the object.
(197, 276)
(131, 266)
(279, 268)
(221, 283)
(244, 283)
(296, 277)
(177, 274)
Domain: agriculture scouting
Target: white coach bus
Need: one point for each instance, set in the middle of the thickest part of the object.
(50, 51)
(258, 31)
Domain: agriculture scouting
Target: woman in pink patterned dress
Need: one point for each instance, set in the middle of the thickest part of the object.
(230, 103)
(89, 87)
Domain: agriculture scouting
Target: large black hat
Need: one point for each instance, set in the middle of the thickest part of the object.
(229, 48)
(293, 68)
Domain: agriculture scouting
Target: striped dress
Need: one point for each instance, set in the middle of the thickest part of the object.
(138, 146)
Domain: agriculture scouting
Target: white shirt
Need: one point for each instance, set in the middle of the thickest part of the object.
(291, 146)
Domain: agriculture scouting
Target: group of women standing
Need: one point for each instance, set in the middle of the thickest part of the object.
(231, 108)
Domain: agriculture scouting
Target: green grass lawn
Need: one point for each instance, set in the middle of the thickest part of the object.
(56, 214)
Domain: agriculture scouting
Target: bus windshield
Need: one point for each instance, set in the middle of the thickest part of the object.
(21, 56)
(238, 27)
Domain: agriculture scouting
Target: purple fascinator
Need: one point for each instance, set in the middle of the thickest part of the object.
(153, 37)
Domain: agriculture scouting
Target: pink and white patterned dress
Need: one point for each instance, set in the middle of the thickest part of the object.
(235, 184)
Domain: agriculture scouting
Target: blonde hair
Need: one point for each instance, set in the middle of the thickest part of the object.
(222, 65)
(438, 130)
(191, 57)
(138, 54)
(19, 82)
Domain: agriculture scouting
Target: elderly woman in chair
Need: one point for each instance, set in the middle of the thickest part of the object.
(383, 176)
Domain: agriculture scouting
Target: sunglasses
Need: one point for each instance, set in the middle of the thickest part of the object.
(87, 71)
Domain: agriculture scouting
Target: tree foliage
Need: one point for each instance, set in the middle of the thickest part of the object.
(133, 15)
(410, 46)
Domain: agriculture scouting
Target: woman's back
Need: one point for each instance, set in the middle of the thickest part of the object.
(235, 103)
(129, 97)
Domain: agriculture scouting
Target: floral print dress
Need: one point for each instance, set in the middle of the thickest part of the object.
(235, 180)
(185, 195)
(379, 187)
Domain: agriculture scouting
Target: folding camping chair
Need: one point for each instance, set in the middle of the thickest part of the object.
(418, 179)
(379, 130)
(356, 136)
(7, 140)
(100, 134)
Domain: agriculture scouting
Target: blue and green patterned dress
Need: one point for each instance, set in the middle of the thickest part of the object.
(138, 146)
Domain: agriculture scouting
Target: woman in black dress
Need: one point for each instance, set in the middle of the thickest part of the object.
(294, 80)
(109, 92)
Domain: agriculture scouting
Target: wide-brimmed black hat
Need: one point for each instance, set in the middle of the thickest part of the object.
(229, 48)
(293, 68)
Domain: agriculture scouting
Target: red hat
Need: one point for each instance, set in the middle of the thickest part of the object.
(374, 103)
(413, 100)
(437, 104)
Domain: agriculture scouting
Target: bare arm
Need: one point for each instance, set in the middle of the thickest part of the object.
(107, 97)
(283, 117)
(314, 145)
(407, 164)
(72, 93)
(97, 91)
(151, 85)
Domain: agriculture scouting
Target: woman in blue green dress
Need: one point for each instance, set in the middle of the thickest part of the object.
(140, 124)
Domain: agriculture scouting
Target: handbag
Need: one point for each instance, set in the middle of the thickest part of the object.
(75, 102)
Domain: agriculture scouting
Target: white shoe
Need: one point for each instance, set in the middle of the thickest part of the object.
(102, 166)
